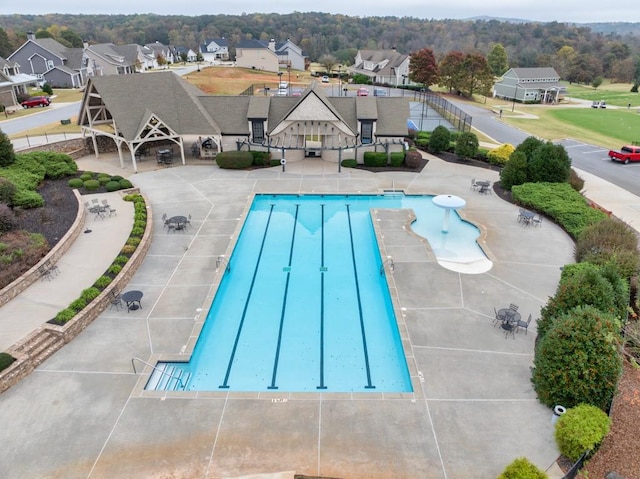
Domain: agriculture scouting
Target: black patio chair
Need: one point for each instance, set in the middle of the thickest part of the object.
(44, 273)
(115, 298)
(52, 268)
(524, 325)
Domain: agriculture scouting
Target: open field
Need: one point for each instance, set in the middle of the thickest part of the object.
(617, 94)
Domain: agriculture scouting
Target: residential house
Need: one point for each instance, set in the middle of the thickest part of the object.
(289, 54)
(163, 107)
(48, 59)
(386, 67)
(181, 52)
(215, 50)
(530, 85)
(256, 55)
(161, 51)
(109, 59)
(13, 83)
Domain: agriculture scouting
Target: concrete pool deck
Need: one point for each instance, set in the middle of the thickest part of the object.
(81, 413)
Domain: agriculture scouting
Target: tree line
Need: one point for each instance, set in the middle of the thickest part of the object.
(577, 52)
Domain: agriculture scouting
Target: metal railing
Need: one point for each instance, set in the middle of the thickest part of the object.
(162, 372)
(387, 264)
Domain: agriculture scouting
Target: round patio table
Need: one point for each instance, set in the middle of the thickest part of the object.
(132, 298)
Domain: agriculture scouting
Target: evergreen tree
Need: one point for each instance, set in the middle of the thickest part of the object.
(7, 155)
(498, 60)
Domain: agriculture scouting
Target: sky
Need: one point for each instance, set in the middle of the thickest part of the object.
(578, 11)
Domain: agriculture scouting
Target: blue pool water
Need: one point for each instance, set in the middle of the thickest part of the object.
(303, 306)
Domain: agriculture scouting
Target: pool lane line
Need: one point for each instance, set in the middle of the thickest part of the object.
(225, 384)
(284, 302)
(322, 271)
(362, 329)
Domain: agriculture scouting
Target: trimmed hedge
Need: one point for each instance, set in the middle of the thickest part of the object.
(375, 159)
(350, 163)
(581, 428)
(397, 158)
(261, 158)
(234, 159)
(560, 202)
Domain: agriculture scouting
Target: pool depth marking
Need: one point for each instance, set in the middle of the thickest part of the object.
(362, 329)
(284, 303)
(225, 384)
(322, 271)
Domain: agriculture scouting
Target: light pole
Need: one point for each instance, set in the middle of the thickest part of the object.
(422, 116)
(279, 79)
(513, 107)
(289, 70)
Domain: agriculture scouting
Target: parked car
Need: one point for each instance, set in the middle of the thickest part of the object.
(362, 91)
(283, 91)
(599, 104)
(379, 92)
(626, 154)
(296, 93)
(36, 101)
(325, 79)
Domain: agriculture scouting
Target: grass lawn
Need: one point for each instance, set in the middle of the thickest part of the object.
(617, 94)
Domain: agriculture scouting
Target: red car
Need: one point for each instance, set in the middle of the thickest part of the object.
(36, 101)
(362, 91)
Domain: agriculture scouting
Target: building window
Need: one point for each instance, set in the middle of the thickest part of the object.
(257, 131)
(49, 64)
(366, 131)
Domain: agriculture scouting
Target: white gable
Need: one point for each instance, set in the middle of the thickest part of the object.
(311, 108)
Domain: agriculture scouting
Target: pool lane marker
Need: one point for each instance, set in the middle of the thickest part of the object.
(323, 269)
(362, 329)
(225, 384)
(284, 302)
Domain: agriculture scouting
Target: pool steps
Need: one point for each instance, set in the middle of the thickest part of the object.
(166, 377)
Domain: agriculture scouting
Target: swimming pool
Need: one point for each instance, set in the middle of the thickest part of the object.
(305, 305)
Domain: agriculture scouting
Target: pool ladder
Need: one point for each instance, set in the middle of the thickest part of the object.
(388, 263)
(221, 260)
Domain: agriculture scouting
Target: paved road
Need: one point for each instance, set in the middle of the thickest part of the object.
(44, 116)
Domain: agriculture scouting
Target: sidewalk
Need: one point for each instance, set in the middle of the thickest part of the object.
(91, 254)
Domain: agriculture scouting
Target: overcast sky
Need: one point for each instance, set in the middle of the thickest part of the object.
(579, 11)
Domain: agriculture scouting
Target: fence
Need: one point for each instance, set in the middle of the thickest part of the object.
(26, 142)
(447, 110)
(573, 472)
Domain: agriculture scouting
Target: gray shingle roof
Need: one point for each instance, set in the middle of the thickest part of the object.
(535, 73)
(53, 46)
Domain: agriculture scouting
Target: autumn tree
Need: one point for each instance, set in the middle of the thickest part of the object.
(423, 67)
(498, 60)
(476, 75)
(328, 62)
(450, 69)
(5, 44)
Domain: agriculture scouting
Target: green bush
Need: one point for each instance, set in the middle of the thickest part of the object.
(92, 185)
(7, 191)
(86, 176)
(52, 164)
(350, 163)
(529, 146)
(575, 181)
(103, 180)
(133, 241)
(127, 249)
(482, 154)
(27, 199)
(6, 360)
(375, 159)
(581, 428)
(522, 468)
(500, 155)
(121, 259)
(550, 163)
(137, 232)
(114, 269)
(7, 155)
(78, 305)
(560, 202)
(397, 158)
(75, 183)
(117, 178)
(423, 143)
(234, 159)
(112, 186)
(577, 361)
(102, 282)
(261, 158)
(142, 224)
(609, 241)
(514, 171)
(466, 145)
(124, 184)
(439, 139)
(584, 284)
(90, 294)
(64, 316)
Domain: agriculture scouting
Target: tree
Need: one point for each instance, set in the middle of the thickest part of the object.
(467, 145)
(423, 67)
(549, 163)
(43, 34)
(577, 361)
(328, 62)
(46, 88)
(596, 82)
(161, 59)
(440, 139)
(5, 44)
(7, 155)
(498, 60)
(71, 37)
(514, 171)
(450, 70)
(476, 75)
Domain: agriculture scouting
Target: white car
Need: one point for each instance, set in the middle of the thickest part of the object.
(325, 79)
(283, 91)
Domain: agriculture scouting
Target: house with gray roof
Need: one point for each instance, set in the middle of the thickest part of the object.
(163, 108)
(530, 85)
(39, 56)
(382, 66)
(161, 51)
(215, 50)
(256, 55)
(13, 83)
(110, 59)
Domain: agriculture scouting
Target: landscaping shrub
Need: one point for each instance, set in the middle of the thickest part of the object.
(102, 282)
(103, 180)
(575, 181)
(78, 305)
(577, 361)
(128, 249)
(482, 154)
(7, 155)
(274, 162)
(133, 241)
(114, 269)
(423, 143)
(92, 185)
(124, 184)
(581, 428)
(550, 163)
(466, 145)
(8, 220)
(27, 199)
(560, 202)
(234, 159)
(7, 191)
(121, 259)
(19, 250)
(609, 240)
(90, 294)
(375, 159)
(117, 178)
(522, 468)
(86, 176)
(529, 146)
(6, 360)
(75, 183)
(64, 316)
(500, 155)
(514, 171)
(112, 186)
(397, 158)
(439, 139)
(413, 159)
(261, 158)
(53, 164)
(585, 284)
(350, 163)
(137, 232)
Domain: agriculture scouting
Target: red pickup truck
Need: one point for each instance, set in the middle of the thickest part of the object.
(626, 154)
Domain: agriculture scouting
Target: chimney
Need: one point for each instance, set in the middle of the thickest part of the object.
(31, 36)
(85, 44)
(272, 45)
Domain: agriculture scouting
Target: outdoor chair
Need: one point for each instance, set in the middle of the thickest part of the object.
(115, 299)
(497, 319)
(537, 221)
(52, 268)
(474, 185)
(524, 325)
(164, 220)
(513, 307)
(521, 213)
(44, 273)
(189, 220)
(509, 329)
